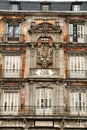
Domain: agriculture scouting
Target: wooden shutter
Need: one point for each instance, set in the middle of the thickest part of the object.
(80, 33)
(70, 32)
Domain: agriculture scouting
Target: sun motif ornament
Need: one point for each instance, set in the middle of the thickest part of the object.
(44, 52)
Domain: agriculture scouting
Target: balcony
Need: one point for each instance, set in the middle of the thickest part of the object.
(76, 39)
(11, 73)
(76, 74)
(16, 38)
(45, 111)
(54, 73)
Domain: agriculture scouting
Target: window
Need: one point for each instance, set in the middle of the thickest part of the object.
(10, 102)
(77, 67)
(76, 33)
(12, 66)
(13, 32)
(14, 6)
(45, 6)
(44, 100)
(76, 7)
(78, 102)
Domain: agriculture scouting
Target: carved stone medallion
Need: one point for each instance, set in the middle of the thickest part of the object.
(44, 52)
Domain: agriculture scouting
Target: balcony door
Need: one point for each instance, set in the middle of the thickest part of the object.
(44, 101)
(78, 103)
(13, 32)
(12, 66)
(10, 102)
(77, 67)
(76, 33)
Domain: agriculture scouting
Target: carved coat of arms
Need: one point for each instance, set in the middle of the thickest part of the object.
(44, 54)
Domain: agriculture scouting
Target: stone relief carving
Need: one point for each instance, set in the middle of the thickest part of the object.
(44, 54)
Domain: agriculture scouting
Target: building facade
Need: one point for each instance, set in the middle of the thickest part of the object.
(43, 65)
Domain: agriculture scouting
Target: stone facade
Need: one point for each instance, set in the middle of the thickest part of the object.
(43, 71)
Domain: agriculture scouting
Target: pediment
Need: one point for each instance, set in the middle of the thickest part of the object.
(45, 28)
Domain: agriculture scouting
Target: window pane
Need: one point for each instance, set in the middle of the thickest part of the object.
(10, 31)
(74, 33)
(16, 31)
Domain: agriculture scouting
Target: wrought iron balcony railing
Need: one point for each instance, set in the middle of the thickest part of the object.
(45, 110)
(11, 73)
(12, 38)
(76, 74)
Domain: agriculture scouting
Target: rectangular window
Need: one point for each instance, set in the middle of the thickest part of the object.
(76, 33)
(14, 7)
(45, 7)
(77, 67)
(44, 99)
(10, 102)
(76, 7)
(12, 66)
(13, 32)
(78, 102)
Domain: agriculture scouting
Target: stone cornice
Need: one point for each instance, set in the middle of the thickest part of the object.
(41, 13)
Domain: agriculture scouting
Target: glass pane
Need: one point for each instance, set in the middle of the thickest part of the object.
(42, 103)
(16, 31)
(10, 31)
(75, 33)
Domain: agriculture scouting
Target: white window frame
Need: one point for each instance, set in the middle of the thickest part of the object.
(12, 66)
(10, 102)
(14, 32)
(78, 103)
(14, 7)
(76, 7)
(77, 67)
(80, 33)
(44, 101)
(45, 7)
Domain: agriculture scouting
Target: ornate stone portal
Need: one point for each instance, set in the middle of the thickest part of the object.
(44, 52)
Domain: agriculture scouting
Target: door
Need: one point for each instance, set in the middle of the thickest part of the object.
(10, 102)
(12, 66)
(80, 33)
(13, 32)
(76, 33)
(78, 103)
(70, 32)
(44, 101)
(77, 67)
